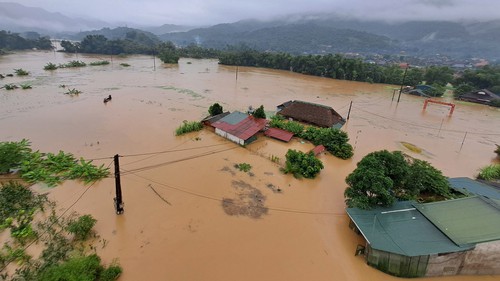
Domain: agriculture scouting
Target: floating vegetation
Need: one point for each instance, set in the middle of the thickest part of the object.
(21, 72)
(10, 86)
(73, 92)
(188, 127)
(26, 86)
(102, 62)
(244, 167)
(50, 66)
(73, 63)
(184, 91)
(125, 64)
(412, 147)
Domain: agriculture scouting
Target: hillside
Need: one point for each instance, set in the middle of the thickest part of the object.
(331, 34)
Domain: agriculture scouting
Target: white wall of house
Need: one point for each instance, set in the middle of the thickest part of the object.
(228, 136)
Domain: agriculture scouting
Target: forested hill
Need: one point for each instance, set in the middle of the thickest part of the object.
(132, 34)
(330, 35)
(292, 38)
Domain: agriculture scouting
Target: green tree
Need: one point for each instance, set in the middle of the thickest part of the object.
(440, 75)
(259, 112)
(302, 164)
(215, 109)
(463, 89)
(382, 177)
(368, 187)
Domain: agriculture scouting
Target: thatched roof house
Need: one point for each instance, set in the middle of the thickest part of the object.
(311, 113)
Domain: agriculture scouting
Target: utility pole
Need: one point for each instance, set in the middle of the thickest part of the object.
(349, 113)
(403, 82)
(237, 68)
(118, 199)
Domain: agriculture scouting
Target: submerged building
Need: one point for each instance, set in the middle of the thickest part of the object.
(239, 127)
(453, 237)
(311, 113)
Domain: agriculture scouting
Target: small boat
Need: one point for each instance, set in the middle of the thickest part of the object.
(107, 99)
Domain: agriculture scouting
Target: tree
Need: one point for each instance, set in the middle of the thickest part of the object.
(215, 109)
(382, 177)
(302, 164)
(259, 112)
(440, 75)
(463, 89)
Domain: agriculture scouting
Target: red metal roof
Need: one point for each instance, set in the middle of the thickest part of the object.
(245, 129)
(318, 149)
(279, 134)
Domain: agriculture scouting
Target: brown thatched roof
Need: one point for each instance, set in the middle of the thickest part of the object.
(315, 114)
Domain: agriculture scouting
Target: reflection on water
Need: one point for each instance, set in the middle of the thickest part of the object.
(303, 235)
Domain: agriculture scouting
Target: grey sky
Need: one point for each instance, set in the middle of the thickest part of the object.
(205, 12)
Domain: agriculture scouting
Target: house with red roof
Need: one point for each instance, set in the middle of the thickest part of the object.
(239, 127)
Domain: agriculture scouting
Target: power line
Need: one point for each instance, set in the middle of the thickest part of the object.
(426, 127)
(286, 210)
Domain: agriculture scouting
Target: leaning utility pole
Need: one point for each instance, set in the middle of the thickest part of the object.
(403, 82)
(118, 199)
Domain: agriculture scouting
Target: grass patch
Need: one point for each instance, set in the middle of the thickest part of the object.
(489, 173)
(125, 64)
(244, 167)
(26, 86)
(188, 127)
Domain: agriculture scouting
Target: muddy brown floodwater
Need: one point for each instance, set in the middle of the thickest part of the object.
(175, 225)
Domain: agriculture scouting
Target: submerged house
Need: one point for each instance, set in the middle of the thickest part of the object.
(311, 113)
(453, 237)
(239, 127)
(483, 96)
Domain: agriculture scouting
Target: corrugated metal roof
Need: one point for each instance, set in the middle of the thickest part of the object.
(279, 134)
(403, 230)
(318, 149)
(473, 187)
(312, 113)
(465, 220)
(243, 128)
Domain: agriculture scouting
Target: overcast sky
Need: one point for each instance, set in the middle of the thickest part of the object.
(207, 12)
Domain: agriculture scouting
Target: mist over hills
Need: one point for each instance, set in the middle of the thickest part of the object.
(298, 34)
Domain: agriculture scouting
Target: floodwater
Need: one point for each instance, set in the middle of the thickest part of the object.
(174, 226)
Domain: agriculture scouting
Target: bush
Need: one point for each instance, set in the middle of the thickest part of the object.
(86, 268)
(302, 164)
(215, 109)
(12, 154)
(50, 66)
(244, 167)
(489, 173)
(82, 227)
(21, 72)
(188, 127)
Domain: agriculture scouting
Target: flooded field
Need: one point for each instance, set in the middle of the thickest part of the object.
(175, 225)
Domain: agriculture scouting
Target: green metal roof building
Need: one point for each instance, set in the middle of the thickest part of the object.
(460, 236)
